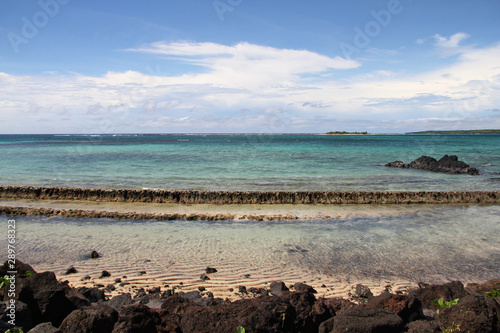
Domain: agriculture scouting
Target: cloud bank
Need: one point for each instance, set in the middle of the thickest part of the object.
(255, 88)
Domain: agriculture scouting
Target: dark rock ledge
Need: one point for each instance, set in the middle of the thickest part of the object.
(47, 305)
(447, 164)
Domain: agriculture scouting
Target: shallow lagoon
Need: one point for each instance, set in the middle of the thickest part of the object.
(429, 243)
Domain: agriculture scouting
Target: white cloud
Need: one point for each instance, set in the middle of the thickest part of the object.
(185, 49)
(245, 64)
(276, 89)
(448, 46)
(452, 41)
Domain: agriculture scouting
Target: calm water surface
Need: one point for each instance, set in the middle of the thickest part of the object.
(245, 162)
(431, 243)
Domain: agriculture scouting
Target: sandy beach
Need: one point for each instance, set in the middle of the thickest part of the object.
(225, 284)
(181, 270)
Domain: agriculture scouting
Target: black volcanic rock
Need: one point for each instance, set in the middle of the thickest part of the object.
(45, 296)
(299, 286)
(472, 314)
(98, 318)
(45, 302)
(277, 288)
(367, 320)
(451, 164)
(105, 274)
(210, 270)
(447, 164)
(398, 164)
(138, 318)
(427, 293)
(71, 270)
(92, 294)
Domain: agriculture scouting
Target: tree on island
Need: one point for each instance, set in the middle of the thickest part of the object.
(344, 133)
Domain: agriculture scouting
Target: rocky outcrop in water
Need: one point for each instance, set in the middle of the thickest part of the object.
(447, 164)
(51, 306)
(247, 197)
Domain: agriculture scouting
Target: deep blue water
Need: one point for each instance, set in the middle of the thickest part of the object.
(244, 162)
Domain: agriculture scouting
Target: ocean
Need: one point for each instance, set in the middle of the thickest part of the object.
(382, 243)
(245, 162)
(429, 243)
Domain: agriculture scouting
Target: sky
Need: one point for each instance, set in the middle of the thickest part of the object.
(248, 66)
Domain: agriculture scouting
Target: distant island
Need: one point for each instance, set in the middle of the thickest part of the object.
(346, 133)
(485, 131)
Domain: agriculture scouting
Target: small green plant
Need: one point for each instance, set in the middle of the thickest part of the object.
(28, 273)
(454, 328)
(4, 280)
(283, 319)
(240, 329)
(494, 293)
(441, 303)
(17, 330)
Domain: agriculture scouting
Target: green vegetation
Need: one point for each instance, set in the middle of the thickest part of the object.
(494, 293)
(485, 131)
(346, 133)
(441, 303)
(17, 330)
(4, 280)
(240, 329)
(454, 328)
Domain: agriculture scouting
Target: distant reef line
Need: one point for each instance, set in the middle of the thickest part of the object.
(248, 197)
(483, 131)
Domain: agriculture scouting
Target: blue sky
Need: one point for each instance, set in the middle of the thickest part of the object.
(242, 66)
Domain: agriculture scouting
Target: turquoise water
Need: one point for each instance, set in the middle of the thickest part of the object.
(433, 243)
(245, 162)
(429, 243)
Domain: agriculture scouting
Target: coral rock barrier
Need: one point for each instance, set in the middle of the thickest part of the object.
(248, 197)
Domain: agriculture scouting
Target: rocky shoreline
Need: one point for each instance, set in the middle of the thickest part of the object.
(248, 197)
(47, 305)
